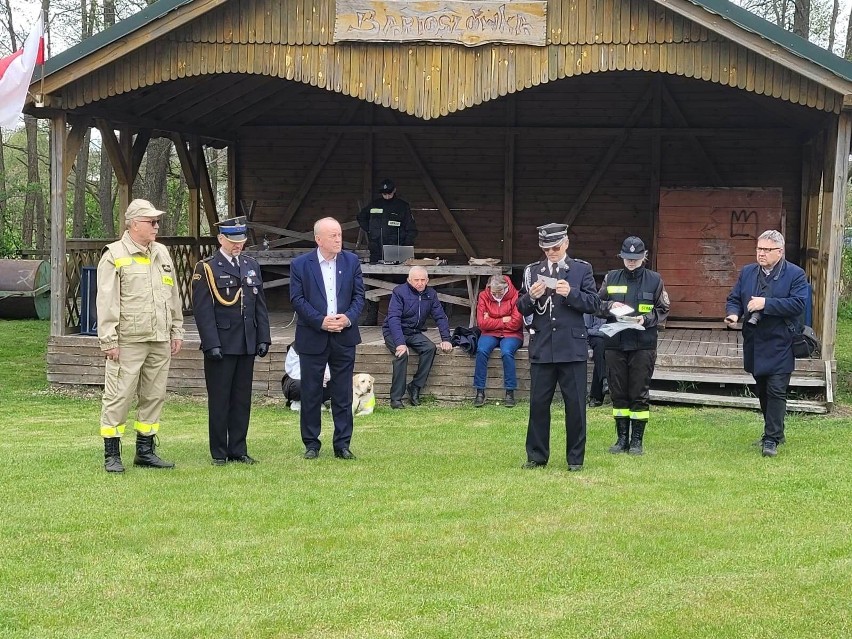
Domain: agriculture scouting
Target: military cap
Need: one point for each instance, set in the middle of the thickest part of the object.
(141, 208)
(551, 234)
(387, 186)
(234, 229)
(632, 248)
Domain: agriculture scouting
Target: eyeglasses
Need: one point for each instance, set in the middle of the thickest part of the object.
(151, 222)
(552, 249)
(761, 249)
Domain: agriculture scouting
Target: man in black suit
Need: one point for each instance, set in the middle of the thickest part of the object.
(556, 292)
(233, 324)
(327, 293)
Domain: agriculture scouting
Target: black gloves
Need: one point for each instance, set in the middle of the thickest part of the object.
(214, 354)
(262, 349)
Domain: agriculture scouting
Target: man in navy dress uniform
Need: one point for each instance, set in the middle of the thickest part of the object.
(233, 323)
(556, 292)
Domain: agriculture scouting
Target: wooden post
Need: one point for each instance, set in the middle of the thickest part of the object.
(831, 238)
(125, 143)
(58, 229)
(654, 186)
(509, 183)
(120, 166)
(232, 183)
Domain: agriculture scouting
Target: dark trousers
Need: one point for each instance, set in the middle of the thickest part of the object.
(425, 349)
(772, 392)
(292, 389)
(599, 372)
(228, 404)
(629, 374)
(341, 364)
(571, 377)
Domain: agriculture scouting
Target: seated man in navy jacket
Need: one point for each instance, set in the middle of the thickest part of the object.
(410, 305)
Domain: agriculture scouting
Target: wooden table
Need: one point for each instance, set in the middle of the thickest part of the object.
(438, 276)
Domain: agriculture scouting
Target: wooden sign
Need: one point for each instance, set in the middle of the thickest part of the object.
(470, 23)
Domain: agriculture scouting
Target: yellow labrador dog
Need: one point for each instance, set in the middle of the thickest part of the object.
(363, 399)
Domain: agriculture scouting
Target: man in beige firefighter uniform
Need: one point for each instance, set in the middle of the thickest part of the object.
(140, 326)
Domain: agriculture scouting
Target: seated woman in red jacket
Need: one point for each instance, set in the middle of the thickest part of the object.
(501, 324)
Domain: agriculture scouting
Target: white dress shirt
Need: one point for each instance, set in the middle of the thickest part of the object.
(329, 278)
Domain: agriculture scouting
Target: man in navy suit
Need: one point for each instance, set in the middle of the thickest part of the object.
(327, 293)
(769, 296)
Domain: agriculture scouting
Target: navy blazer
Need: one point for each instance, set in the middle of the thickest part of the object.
(786, 296)
(307, 294)
(558, 330)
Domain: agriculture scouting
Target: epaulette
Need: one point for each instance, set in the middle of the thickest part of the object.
(581, 261)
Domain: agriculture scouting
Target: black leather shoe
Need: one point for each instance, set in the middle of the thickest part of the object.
(344, 453)
(311, 453)
(413, 395)
(575, 468)
(594, 403)
(219, 462)
(534, 464)
(396, 403)
(245, 459)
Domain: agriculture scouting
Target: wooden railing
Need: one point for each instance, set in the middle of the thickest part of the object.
(185, 252)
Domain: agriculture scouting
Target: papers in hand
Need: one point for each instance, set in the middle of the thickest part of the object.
(616, 327)
(621, 311)
(549, 282)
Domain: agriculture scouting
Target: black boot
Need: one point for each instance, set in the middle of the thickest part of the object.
(510, 399)
(622, 430)
(638, 431)
(145, 455)
(479, 402)
(112, 455)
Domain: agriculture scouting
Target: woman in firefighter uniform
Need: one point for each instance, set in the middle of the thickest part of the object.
(233, 324)
(630, 353)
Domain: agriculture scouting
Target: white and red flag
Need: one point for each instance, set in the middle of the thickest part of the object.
(16, 73)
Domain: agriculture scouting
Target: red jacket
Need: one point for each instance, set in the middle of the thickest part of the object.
(490, 313)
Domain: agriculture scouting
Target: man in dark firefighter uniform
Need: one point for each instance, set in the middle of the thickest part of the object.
(631, 354)
(233, 324)
(387, 220)
(556, 292)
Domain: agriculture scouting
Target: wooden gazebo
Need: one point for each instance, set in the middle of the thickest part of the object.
(693, 124)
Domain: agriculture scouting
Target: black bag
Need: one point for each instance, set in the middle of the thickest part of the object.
(466, 339)
(806, 344)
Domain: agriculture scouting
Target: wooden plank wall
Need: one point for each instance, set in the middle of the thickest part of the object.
(550, 167)
(705, 236)
(292, 40)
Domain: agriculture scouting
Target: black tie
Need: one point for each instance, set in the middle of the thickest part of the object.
(554, 270)
(235, 263)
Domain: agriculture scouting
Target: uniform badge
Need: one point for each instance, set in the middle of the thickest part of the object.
(248, 280)
(252, 273)
(254, 290)
(225, 276)
(167, 268)
(197, 276)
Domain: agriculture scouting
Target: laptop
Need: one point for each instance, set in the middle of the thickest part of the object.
(393, 254)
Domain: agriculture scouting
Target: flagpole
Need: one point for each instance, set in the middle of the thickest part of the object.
(43, 33)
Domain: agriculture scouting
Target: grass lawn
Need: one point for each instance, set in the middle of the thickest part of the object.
(435, 531)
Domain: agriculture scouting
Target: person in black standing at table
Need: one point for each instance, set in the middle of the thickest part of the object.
(557, 291)
(632, 354)
(233, 323)
(385, 220)
(769, 296)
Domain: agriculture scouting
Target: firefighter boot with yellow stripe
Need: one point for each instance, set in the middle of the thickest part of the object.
(622, 431)
(637, 433)
(112, 455)
(145, 455)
